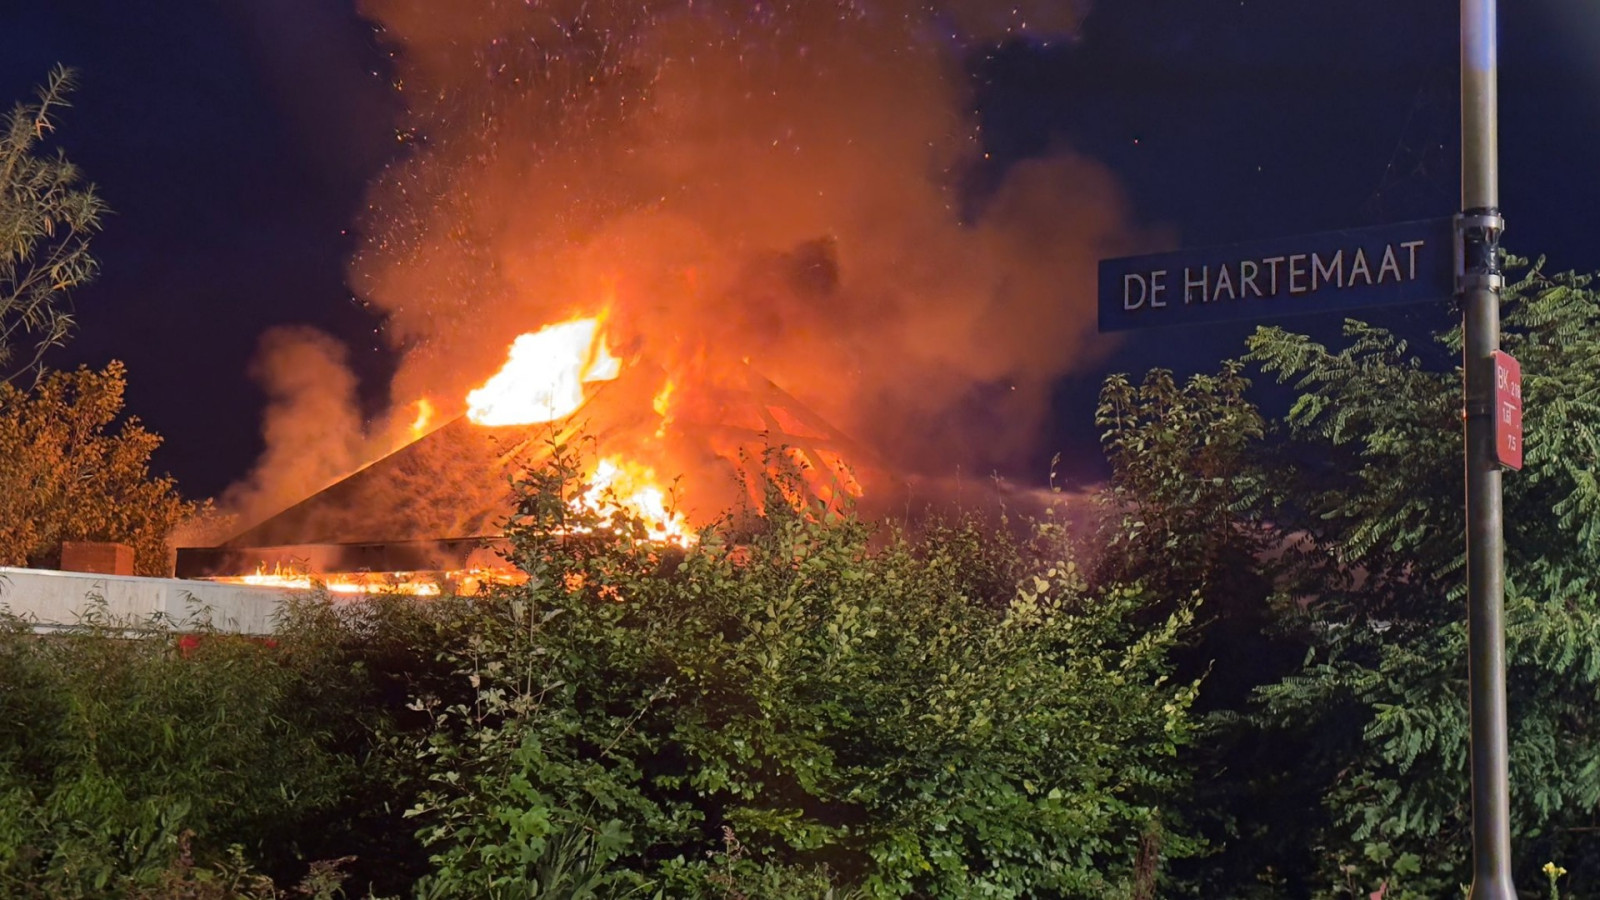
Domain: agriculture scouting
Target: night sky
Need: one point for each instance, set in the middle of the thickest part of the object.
(235, 138)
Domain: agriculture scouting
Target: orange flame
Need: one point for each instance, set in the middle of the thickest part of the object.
(618, 484)
(663, 399)
(543, 381)
(465, 582)
(419, 426)
(543, 378)
(662, 404)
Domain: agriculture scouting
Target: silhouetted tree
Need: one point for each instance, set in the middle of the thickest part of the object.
(47, 215)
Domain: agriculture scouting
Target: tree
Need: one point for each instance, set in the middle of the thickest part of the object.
(63, 474)
(1186, 520)
(1184, 501)
(1389, 639)
(47, 216)
(1360, 485)
(70, 471)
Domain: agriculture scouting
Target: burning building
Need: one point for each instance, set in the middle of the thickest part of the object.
(431, 513)
(701, 195)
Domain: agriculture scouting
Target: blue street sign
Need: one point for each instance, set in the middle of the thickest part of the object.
(1406, 262)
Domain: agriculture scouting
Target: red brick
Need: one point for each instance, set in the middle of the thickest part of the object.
(98, 557)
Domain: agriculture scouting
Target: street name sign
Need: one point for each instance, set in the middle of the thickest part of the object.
(1404, 262)
(1507, 410)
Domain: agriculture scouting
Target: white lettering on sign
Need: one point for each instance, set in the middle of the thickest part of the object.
(1412, 246)
(1128, 282)
(1294, 274)
(1502, 381)
(1359, 267)
(1332, 272)
(1224, 281)
(1273, 261)
(1297, 273)
(1389, 264)
(1190, 282)
(1247, 277)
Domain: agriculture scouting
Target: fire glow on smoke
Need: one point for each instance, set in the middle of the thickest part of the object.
(763, 184)
(778, 183)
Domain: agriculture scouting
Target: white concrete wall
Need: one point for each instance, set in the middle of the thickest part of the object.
(53, 599)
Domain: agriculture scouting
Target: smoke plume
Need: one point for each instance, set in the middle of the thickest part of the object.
(771, 182)
(312, 427)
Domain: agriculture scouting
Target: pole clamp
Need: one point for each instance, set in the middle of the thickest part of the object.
(1478, 250)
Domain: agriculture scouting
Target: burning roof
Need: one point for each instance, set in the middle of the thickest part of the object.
(440, 502)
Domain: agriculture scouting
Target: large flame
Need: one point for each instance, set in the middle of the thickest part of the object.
(543, 379)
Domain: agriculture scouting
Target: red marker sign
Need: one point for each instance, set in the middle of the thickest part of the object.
(1507, 410)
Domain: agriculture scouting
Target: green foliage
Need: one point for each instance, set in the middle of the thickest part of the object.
(814, 710)
(1184, 510)
(70, 471)
(47, 216)
(1361, 489)
(809, 708)
(1389, 637)
(1185, 519)
(233, 878)
(122, 748)
(1179, 483)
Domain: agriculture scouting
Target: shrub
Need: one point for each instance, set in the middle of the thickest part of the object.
(844, 707)
(809, 707)
(119, 748)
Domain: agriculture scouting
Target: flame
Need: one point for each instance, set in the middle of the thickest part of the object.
(662, 404)
(544, 375)
(602, 366)
(543, 381)
(617, 485)
(663, 399)
(466, 582)
(419, 426)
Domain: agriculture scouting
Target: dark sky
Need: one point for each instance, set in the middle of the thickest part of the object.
(234, 139)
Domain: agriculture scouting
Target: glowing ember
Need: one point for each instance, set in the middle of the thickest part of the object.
(543, 379)
(618, 485)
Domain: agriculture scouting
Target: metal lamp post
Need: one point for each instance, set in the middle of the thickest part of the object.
(1479, 289)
